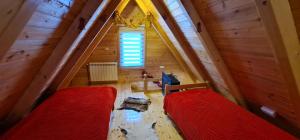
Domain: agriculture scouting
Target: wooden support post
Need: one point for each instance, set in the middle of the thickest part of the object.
(16, 25)
(59, 56)
(279, 24)
(212, 51)
(170, 21)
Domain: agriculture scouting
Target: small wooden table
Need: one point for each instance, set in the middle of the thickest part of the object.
(147, 85)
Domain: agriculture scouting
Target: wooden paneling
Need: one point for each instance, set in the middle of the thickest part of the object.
(285, 42)
(295, 7)
(15, 23)
(91, 19)
(166, 32)
(240, 35)
(157, 54)
(170, 21)
(32, 47)
(190, 23)
(8, 11)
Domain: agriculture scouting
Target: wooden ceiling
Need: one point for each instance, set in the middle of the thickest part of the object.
(241, 47)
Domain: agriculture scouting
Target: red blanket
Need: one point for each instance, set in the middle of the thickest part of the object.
(70, 114)
(205, 115)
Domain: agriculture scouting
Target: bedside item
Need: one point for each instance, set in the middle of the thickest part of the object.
(169, 79)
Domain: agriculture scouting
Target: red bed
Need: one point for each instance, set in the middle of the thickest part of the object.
(70, 114)
(201, 114)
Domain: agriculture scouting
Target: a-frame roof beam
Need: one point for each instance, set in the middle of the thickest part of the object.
(166, 40)
(279, 24)
(213, 52)
(173, 50)
(84, 51)
(16, 25)
(78, 59)
(170, 21)
(61, 54)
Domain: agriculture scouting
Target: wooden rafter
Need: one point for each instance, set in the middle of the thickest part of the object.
(16, 25)
(173, 50)
(167, 41)
(59, 56)
(78, 59)
(279, 24)
(187, 48)
(213, 52)
(84, 51)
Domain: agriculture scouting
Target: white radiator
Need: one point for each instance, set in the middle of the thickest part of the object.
(103, 72)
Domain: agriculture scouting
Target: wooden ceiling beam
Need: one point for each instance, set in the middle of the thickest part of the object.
(162, 34)
(61, 54)
(16, 25)
(79, 57)
(279, 23)
(213, 52)
(173, 50)
(187, 48)
(84, 51)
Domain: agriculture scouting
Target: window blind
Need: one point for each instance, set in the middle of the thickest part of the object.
(132, 49)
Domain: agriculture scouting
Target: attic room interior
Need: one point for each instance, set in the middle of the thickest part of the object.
(150, 69)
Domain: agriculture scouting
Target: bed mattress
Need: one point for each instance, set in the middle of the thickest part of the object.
(70, 114)
(201, 114)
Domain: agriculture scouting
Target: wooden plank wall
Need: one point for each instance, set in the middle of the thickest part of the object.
(8, 10)
(157, 54)
(32, 47)
(295, 7)
(240, 36)
(163, 28)
(190, 33)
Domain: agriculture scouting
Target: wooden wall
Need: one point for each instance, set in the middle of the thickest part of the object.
(240, 36)
(157, 54)
(33, 46)
(8, 10)
(190, 32)
(295, 7)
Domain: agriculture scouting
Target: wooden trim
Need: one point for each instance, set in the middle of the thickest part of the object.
(56, 61)
(16, 25)
(212, 51)
(278, 21)
(187, 48)
(168, 88)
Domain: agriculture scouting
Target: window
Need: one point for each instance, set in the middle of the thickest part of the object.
(132, 49)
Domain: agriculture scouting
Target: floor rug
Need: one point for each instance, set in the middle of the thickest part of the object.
(136, 104)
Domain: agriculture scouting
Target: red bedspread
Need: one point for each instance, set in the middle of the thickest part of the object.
(205, 115)
(70, 114)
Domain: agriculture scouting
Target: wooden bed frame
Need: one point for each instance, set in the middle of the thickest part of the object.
(169, 88)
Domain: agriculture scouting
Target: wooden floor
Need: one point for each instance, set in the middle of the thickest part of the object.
(139, 125)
